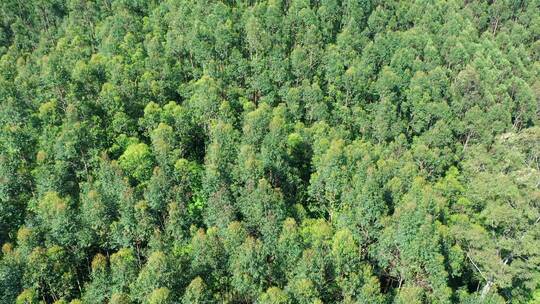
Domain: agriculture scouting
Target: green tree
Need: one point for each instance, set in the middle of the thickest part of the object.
(124, 268)
(249, 270)
(273, 295)
(156, 273)
(196, 293)
(98, 289)
(11, 272)
(137, 160)
(497, 218)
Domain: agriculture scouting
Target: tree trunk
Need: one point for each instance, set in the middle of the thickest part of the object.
(485, 289)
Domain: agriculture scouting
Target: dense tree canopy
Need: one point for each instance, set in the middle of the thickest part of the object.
(302, 151)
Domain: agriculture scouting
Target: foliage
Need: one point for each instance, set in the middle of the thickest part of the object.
(352, 151)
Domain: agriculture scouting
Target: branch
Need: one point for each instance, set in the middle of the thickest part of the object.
(475, 266)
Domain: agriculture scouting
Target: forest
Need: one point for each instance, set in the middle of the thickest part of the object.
(269, 151)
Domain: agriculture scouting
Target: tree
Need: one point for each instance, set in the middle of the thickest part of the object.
(48, 274)
(55, 215)
(196, 293)
(409, 248)
(28, 296)
(138, 161)
(155, 274)
(262, 208)
(303, 291)
(11, 272)
(273, 295)
(289, 249)
(222, 151)
(160, 296)
(208, 258)
(498, 216)
(124, 270)
(249, 270)
(98, 289)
